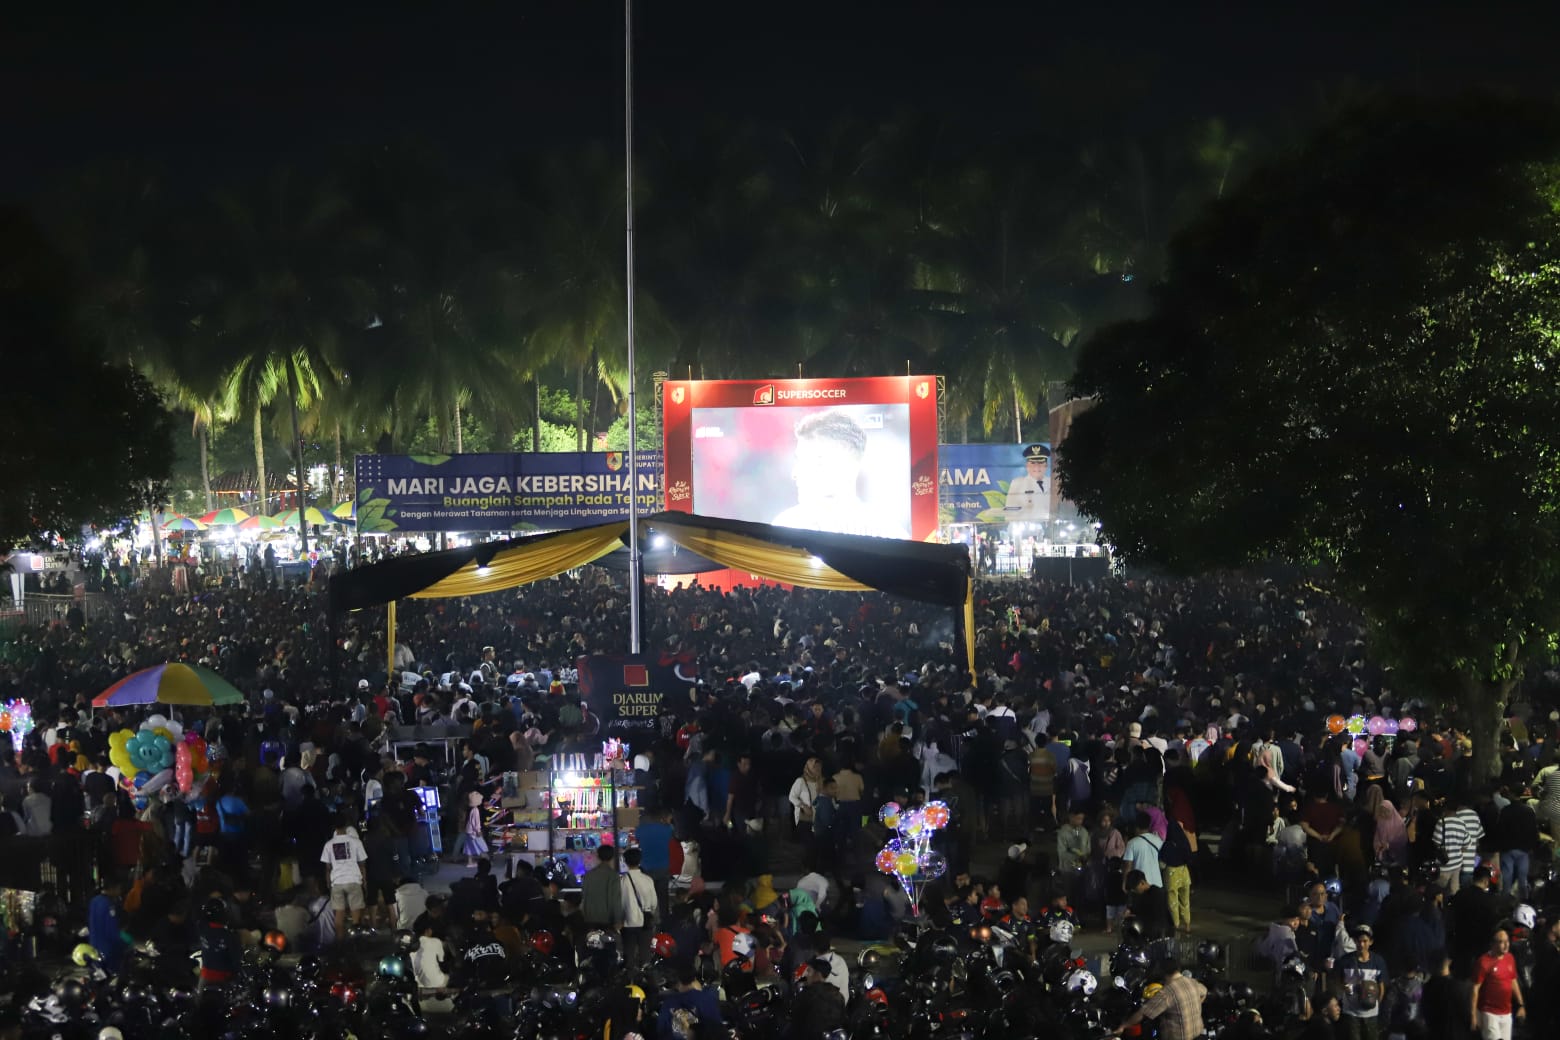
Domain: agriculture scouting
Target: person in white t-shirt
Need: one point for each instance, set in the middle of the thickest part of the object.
(343, 856)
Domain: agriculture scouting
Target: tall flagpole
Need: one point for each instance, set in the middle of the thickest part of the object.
(635, 578)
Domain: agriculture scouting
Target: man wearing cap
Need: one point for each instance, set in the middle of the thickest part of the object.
(1027, 498)
(1359, 980)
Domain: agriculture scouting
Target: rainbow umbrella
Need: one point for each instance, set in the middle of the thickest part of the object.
(224, 518)
(346, 511)
(170, 684)
(259, 523)
(310, 515)
(183, 523)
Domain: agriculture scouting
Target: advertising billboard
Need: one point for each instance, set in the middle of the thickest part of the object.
(625, 691)
(853, 456)
(501, 491)
(994, 483)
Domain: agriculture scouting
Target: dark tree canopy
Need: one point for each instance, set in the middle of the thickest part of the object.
(1354, 361)
(81, 440)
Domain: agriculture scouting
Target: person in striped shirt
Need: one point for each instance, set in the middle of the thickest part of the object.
(1457, 836)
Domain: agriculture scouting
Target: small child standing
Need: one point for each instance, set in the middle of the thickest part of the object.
(474, 844)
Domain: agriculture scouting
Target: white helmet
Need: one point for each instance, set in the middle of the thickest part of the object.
(1061, 930)
(1526, 916)
(110, 1033)
(1081, 981)
(742, 944)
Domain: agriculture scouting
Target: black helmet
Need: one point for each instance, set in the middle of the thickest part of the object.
(1131, 933)
(213, 911)
(943, 949)
(1210, 954)
(71, 992)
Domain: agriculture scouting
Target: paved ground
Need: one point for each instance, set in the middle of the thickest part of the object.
(1233, 914)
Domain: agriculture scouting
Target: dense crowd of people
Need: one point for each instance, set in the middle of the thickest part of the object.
(1122, 742)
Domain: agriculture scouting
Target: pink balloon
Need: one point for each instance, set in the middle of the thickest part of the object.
(184, 770)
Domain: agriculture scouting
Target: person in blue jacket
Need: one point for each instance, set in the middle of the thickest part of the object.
(104, 930)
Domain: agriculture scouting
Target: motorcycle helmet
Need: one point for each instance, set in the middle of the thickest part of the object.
(1293, 965)
(405, 941)
(1523, 915)
(213, 911)
(1061, 930)
(598, 939)
(1334, 887)
(542, 942)
(392, 968)
(1132, 933)
(743, 945)
(1004, 981)
(664, 945)
(110, 1033)
(71, 992)
(277, 998)
(944, 949)
(1210, 954)
(1081, 981)
(85, 954)
(636, 993)
(1242, 994)
(1126, 958)
(1152, 990)
(276, 941)
(869, 959)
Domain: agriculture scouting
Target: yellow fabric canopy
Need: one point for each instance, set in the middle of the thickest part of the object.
(788, 563)
(525, 563)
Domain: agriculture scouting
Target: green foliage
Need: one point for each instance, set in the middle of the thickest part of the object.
(92, 447)
(1354, 361)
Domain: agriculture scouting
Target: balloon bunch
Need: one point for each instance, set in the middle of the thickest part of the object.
(909, 857)
(16, 719)
(158, 754)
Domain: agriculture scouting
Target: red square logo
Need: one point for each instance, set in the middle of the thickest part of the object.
(636, 675)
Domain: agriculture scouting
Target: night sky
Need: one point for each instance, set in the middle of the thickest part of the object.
(215, 94)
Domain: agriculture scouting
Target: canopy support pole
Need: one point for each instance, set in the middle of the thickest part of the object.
(390, 643)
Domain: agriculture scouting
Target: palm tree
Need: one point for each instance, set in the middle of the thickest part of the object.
(287, 288)
(572, 213)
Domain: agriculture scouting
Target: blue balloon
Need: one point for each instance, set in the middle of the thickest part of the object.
(140, 779)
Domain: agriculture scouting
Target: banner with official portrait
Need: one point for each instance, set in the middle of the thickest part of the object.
(501, 491)
(849, 456)
(994, 483)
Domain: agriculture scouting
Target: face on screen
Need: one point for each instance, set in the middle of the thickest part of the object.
(825, 471)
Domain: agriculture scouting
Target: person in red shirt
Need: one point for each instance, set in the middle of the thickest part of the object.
(1497, 996)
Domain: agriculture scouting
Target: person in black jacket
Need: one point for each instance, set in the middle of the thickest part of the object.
(818, 1008)
(1148, 905)
(1474, 913)
(1516, 836)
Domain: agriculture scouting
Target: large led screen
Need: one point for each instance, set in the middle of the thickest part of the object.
(855, 456)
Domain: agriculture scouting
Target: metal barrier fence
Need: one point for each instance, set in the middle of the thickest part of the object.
(43, 608)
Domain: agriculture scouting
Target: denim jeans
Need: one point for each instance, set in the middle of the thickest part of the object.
(1514, 872)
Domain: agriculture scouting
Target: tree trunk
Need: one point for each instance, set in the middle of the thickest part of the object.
(536, 413)
(460, 440)
(579, 408)
(338, 477)
(1018, 420)
(595, 398)
(260, 462)
(303, 476)
(1485, 704)
(203, 433)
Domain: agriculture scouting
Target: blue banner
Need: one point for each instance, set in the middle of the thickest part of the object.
(994, 483)
(508, 491)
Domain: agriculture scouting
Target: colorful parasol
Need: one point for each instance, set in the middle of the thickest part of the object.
(170, 684)
(311, 515)
(260, 523)
(346, 511)
(224, 518)
(183, 523)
